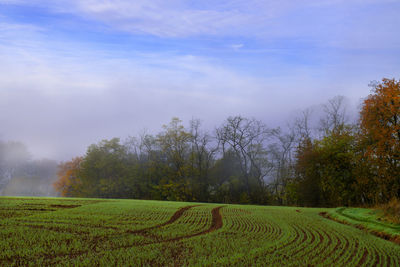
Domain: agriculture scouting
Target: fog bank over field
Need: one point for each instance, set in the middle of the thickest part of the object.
(63, 127)
(20, 175)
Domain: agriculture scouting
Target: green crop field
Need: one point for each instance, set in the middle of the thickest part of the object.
(90, 232)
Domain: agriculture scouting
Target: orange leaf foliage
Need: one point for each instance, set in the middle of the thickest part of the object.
(380, 128)
(68, 181)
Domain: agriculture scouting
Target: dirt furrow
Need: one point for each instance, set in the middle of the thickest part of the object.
(215, 225)
(174, 217)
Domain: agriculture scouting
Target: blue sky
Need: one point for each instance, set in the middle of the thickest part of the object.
(75, 72)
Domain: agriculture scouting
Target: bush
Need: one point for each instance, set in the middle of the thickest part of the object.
(392, 210)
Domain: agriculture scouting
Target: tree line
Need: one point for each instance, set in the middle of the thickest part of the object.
(330, 163)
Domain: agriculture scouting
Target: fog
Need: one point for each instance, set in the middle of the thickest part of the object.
(74, 73)
(22, 176)
(61, 128)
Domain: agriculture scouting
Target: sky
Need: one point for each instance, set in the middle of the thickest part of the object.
(75, 72)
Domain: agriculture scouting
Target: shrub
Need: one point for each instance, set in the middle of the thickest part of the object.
(392, 210)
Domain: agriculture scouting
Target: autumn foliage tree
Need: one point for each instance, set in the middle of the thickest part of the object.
(68, 182)
(380, 136)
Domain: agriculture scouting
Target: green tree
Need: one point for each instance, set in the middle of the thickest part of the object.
(104, 171)
(337, 166)
(226, 184)
(174, 145)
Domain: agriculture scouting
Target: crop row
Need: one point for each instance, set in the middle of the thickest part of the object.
(309, 240)
(173, 233)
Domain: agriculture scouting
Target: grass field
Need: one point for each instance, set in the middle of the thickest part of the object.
(372, 220)
(71, 232)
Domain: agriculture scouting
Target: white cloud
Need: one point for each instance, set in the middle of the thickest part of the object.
(237, 46)
(161, 18)
(61, 97)
(327, 23)
(302, 21)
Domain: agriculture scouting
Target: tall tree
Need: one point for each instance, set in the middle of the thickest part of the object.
(201, 159)
(334, 114)
(226, 183)
(380, 134)
(305, 188)
(105, 172)
(248, 139)
(283, 161)
(174, 144)
(302, 126)
(337, 163)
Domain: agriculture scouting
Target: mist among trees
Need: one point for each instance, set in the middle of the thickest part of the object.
(329, 163)
(21, 175)
(319, 159)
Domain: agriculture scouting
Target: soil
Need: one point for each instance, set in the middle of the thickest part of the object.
(174, 217)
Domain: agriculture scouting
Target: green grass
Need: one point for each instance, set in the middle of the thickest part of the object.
(370, 219)
(90, 232)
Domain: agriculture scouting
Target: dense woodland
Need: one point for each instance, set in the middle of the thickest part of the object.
(330, 162)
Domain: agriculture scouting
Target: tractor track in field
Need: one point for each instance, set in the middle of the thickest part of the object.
(215, 225)
(305, 240)
(174, 217)
(145, 231)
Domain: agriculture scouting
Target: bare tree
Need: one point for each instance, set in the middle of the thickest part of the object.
(202, 155)
(247, 138)
(282, 152)
(201, 145)
(301, 126)
(335, 114)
